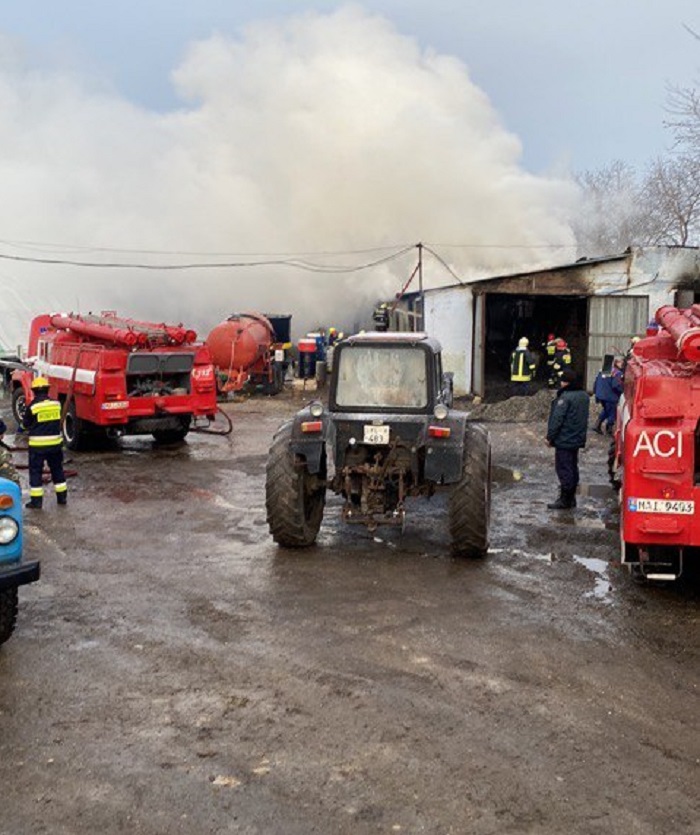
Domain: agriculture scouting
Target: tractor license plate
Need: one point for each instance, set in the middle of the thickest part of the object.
(683, 508)
(376, 434)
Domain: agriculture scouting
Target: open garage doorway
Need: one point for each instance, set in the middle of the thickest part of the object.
(508, 317)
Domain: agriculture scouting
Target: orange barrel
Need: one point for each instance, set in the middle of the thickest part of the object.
(307, 347)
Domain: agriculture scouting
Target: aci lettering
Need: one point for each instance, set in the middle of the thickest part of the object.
(663, 444)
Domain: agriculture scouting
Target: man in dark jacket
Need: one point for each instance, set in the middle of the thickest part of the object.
(566, 432)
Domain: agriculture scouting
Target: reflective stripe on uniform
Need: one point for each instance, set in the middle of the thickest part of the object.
(60, 488)
(45, 440)
(36, 492)
(520, 375)
(46, 410)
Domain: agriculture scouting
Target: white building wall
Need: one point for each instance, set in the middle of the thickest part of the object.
(654, 272)
(449, 318)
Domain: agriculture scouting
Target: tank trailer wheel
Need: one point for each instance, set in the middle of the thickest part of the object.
(8, 613)
(294, 498)
(19, 405)
(470, 502)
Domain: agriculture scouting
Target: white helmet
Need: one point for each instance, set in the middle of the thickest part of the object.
(523, 342)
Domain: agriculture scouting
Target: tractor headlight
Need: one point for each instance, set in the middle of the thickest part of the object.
(441, 411)
(9, 529)
(316, 408)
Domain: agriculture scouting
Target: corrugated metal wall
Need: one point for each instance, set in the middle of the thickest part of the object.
(612, 321)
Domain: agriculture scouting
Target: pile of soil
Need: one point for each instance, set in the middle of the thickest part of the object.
(513, 409)
(516, 409)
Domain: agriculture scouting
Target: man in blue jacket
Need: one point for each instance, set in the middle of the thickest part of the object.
(607, 390)
(566, 432)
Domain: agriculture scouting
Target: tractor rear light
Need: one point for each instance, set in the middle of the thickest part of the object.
(6, 501)
(439, 431)
(312, 426)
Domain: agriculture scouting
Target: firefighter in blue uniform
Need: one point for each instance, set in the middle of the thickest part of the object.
(42, 421)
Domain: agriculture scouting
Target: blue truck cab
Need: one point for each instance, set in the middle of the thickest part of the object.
(14, 571)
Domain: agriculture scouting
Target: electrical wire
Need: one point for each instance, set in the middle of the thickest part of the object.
(283, 262)
(43, 246)
(444, 264)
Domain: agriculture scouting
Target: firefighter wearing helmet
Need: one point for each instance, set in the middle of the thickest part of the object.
(522, 368)
(42, 422)
(550, 349)
(562, 361)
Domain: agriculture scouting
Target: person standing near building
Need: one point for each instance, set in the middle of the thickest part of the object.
(42, 421)
(522, 368)
(607, 390)
(566, 432)
(562, 361)
(550, 349)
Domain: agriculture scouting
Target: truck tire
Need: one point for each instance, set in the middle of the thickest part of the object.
(74, 429)
(173, 436)
(19, 404)
(8, 613)
(470, 502)
(294, 498)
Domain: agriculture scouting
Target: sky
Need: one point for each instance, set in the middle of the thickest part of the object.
(333, 134)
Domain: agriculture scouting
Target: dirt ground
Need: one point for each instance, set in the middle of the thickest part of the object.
(174, 671)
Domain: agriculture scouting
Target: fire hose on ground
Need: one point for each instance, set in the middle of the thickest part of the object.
(46, 475)
(207, 430)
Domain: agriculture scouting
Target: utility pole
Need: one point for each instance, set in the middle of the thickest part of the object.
(419, 318)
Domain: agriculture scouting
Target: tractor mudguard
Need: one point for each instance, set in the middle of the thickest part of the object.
(444, 456)
(308, 440)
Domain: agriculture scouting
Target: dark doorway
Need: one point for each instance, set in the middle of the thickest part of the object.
(509, 317)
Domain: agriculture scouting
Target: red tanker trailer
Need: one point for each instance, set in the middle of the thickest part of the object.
(249, 350)
(118, 376)
(656, 458)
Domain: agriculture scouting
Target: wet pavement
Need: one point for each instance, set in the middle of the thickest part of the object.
(176, 672)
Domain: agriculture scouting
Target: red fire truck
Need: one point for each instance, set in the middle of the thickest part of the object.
(117, 376)
(656, 458)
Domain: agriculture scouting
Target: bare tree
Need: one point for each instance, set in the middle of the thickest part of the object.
(671, 198)
(684, 107)
(612, 215)
(619, 209)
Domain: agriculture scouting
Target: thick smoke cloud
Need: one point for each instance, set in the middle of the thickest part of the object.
(314, 134)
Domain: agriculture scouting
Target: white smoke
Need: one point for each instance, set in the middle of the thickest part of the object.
(315, 134)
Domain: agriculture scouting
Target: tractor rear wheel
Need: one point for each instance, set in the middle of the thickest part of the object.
(294, 498)
(8, 613)
(470, 502)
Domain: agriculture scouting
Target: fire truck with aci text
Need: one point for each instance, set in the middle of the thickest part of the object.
(656, 456)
